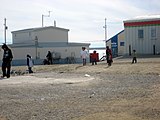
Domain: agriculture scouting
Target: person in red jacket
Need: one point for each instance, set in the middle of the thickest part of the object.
(94, 58)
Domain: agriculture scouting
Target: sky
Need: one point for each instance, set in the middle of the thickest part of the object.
(85, 19)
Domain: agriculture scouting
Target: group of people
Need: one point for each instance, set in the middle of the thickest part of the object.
(6, 61)
(30, 61)
(7, 58)
(94, 59)
(109, 57)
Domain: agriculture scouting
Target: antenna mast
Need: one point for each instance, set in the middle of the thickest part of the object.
(105, 31)
(5, 28)
(45, 16)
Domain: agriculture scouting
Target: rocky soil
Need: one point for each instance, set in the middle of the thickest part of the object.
(123, 91)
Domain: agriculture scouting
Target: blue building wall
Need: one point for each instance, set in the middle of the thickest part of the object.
(114, 45)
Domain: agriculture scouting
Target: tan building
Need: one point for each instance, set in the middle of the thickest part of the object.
(38, 41)
(43, 34)
(117, 44)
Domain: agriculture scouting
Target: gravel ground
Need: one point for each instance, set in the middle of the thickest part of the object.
(123, 91)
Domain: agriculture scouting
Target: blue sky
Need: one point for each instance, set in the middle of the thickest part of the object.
(84, 18)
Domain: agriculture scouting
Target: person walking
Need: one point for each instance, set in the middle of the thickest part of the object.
(134, 55)
(84, 54)
(109, 56)
(49, 57)
(6, 61)
(29, 63)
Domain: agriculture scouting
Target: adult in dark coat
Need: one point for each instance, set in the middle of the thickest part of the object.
(7, 58)
(109, 56)
(49, 57)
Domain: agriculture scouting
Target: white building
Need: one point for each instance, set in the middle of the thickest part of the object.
(44, 35)
(143, 35)
(38, 41)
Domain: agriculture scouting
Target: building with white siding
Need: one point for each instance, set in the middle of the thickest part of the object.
(143, 35)
(44, 35)
(38, 41)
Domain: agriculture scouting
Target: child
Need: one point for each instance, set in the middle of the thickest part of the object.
(29, 63)
(134, 55)
(94, 58)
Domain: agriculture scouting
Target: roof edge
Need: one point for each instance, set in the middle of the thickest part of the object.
(38, 28)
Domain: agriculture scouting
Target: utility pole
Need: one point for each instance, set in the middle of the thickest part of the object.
(105, 34)
(36, 45)
(105, 31)
(5, 28)
(45, 16)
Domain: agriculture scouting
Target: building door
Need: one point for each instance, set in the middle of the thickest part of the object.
(154, 49)
(130, 50)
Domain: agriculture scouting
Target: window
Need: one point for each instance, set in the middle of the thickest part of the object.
(140, 34)
(121, 43)
(153, 32)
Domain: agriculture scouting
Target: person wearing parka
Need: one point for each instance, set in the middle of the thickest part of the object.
(29, 63)
(6, 61)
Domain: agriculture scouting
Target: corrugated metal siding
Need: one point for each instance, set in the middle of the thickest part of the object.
(142, 45)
